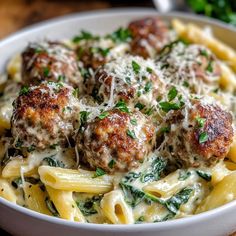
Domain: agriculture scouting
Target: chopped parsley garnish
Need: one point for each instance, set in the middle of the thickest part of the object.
(148, 87)
(121, 105)
(172, 93)
(133, 121)
(84, 35)
(103, 51)
(204, 53)
(99, 172)
(149, 111)
(103, 115)
(186, 84)
(18, 143)
(120, 35)
(139, 105)
(168, 106)
(61, 78)
(111, 164)
(204, 175)
(131, 134)
(24, 90)
(136, 67)
(201, 122)
(149, 70)
(210, 67)
(31, 148)
(84, 116)
(165, 129)
(203, 137)
(66, 109)
(46, 71)
(76, 92)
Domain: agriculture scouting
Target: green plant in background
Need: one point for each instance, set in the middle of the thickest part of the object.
(224, 10)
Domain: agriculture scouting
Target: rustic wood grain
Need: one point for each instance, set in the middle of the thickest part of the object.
(16, 14)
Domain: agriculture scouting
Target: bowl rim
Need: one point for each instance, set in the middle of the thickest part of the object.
(115, 227)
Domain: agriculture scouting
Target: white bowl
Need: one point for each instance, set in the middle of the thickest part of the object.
(21, 221)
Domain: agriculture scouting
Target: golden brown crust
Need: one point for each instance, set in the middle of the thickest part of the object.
(218, 127)
(151, 29)
(45, 115)
(107, 139)
(50, 61)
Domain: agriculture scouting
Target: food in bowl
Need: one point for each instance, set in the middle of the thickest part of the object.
(136, 126)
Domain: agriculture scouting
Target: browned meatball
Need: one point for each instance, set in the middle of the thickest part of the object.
(200, 134)
(131, 79)
(45, 115)
(118, 142)
(193, 66)
(149, 35)
(50, 61)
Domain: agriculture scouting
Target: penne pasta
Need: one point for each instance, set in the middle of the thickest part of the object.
(222, 193)
(116, 209)
(35, 198)
(194, 34)
(14, 167)
(6, 191)
(74, 180)
(65, 204)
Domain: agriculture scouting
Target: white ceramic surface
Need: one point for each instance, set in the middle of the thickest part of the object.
(23, 222)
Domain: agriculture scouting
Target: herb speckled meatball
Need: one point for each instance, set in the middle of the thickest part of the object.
(116, 140)
(50, 61)
(45, 115)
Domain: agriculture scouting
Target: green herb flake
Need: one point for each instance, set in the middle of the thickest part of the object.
(204, 53)
(51, 161)
(84, 35)
(149, 70)
(186, 84)
(24, 90)
(103, 115)
(204, 175)
(131, 134)
(111, 164)
(46, 71)
(165, 129)
(210, 66)
(76, 93)
(140, 220)
(136, 67)
(128, 80)
(139, 105)
(200, 122)
(83, 117)
(133, 121)
(99, 172)
(88, 207)
(172, 93)
(121, 105)
(168, 106)
(51, 207)
(61, 78)
(203, 137)
(148, 87)
(120, 35)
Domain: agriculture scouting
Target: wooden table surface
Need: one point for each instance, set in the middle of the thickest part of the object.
(16, 14)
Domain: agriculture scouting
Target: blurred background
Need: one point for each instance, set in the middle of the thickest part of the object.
(16, 14)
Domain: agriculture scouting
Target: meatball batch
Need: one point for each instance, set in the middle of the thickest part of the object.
(45, 115)
(192, 66)
(50, 61)
(94, 51)
(199, 134)
(116, 140)
(149, 36)
(131, 79)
